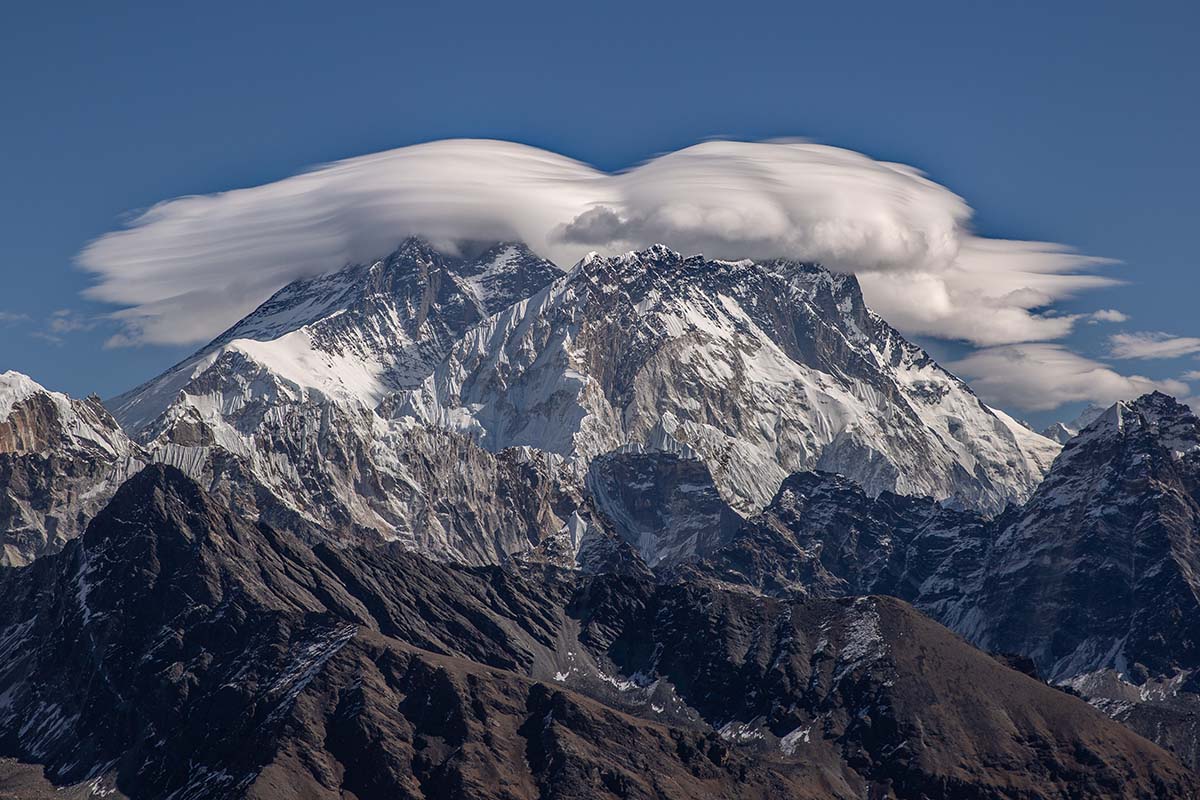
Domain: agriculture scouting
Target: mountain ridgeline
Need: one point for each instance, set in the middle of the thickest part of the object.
(468, 525)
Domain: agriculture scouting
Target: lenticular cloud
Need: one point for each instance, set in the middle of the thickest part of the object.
(189, 267)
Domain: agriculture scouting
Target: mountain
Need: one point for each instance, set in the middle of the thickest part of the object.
(1097, 578)
(60, 461)
(1094, 579)
(352, 398)
(467, 524)
(1099, 569)
(177, 649)
(1061, 432)
(762, 369)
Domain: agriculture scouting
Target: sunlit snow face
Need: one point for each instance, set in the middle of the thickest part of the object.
(189, 267)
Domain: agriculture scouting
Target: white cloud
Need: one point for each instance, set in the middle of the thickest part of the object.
(1191, 375)
(189, 267)
(62, 322)
(1152, 344)
(1107, 315)
(1040, 377)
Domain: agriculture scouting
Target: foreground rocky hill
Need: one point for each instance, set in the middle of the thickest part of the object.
(175, 649)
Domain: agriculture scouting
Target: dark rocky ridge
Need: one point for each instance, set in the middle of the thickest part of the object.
(177, 648)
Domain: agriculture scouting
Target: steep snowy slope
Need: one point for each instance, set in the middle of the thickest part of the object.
(60, 461)
(762, 369)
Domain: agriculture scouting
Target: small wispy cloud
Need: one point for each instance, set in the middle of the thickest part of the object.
(1152, 344)
(1106, 315)
(12, 317)
(64, 322)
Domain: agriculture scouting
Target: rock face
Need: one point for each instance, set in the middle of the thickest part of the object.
(177, 649)
(823, 536)
(762, 369)
(664, 504)
(60, 461)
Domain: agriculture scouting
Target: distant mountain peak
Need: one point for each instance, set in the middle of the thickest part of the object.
(1062, 432)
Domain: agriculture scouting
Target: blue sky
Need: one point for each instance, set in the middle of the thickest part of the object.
(1073, 123)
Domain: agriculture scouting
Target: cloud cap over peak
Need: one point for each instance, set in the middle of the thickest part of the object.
(189, 267)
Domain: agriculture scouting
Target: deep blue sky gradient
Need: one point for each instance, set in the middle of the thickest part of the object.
(1070, 122)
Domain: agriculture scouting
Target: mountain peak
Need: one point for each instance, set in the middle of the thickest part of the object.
(353, 335)
(1062, 432)
(14, 388)
(1156, 417)
(60, 461)
(144, 504)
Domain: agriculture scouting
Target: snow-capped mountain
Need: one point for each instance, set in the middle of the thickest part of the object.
(352, 336)
(762, 369)
(61, 459)
(328, 393)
